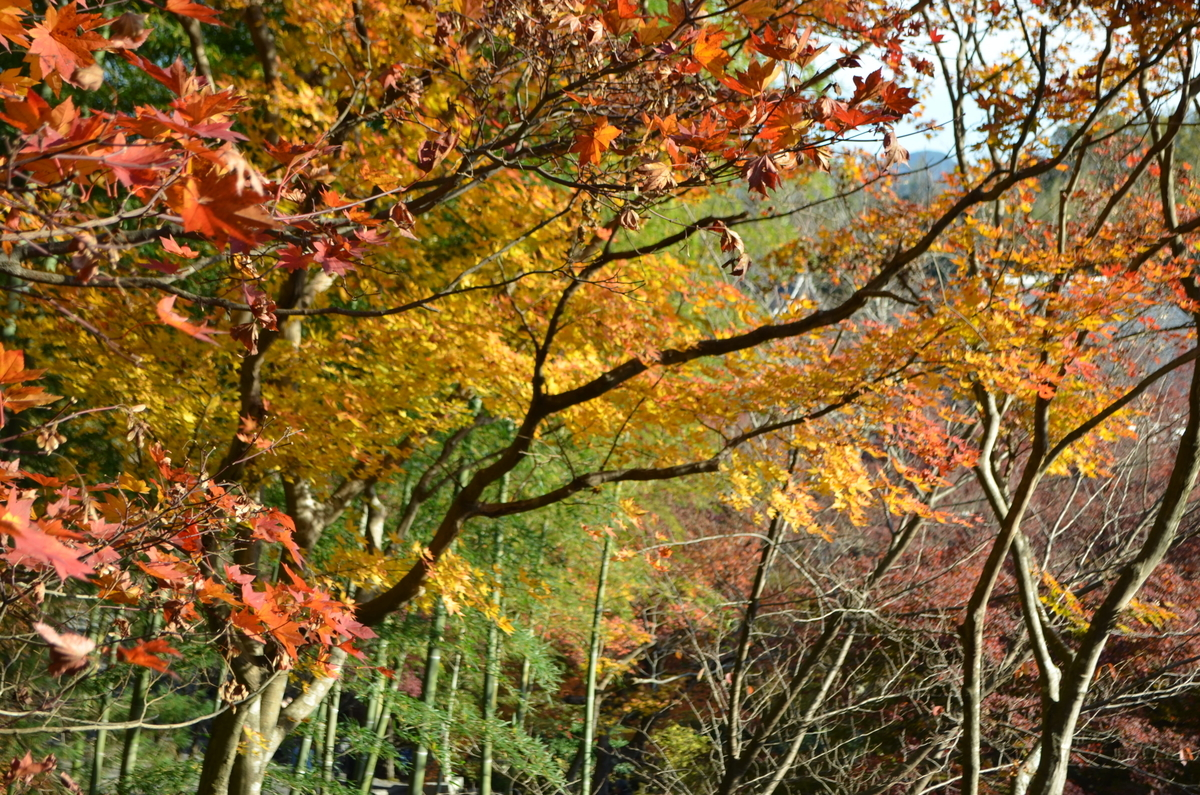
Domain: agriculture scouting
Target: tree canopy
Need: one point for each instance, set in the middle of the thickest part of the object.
(592, 396)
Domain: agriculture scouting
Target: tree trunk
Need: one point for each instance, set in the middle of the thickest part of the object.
(737, 678)
(133, 735)
(235, 766)
(301, 768)
(331, 727)
(810, 713)
(98, 751)
(491, 673)
(446, 763)
(589, 715)
(1059, 723)
(137, 711)
(375, 711)
(971, 632)
(433, 664)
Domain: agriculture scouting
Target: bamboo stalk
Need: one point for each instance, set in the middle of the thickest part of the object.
(523, 695)
(433, 664)
(526, 667)
(314, 737)
(589, 715)
(374, 713)
(137, 711)
(133, 735)
(382, 728)
(100, 747)
(446, 763)
(491, 672)
(331, 723)
(98, 750)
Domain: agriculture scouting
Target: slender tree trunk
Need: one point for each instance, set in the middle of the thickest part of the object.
(100, 748)
(1026, 771)
(491, 673)
(382, 730)
(971, 632)
(137, 711)
(331, 726)
(737, 679)
(1058, 725)
(375, 710)
(446, 763)
(306, 744)
(596, 645)
(195, 34)
(376, 518)
(133, 735)
(433, 664)
(789, 759)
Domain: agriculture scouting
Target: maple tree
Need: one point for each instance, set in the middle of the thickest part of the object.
(355, 299)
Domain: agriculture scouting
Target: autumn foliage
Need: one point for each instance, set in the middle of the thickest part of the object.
(582, 396)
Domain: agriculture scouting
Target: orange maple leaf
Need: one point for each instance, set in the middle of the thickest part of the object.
(277, 527)
(146, 654)
(591, 142)
(168, 315)
(708, 52)
(219, 207)
(18, 398)
(186, 8)
(756, 78)
(10, 22)
(60, 46)
(26, 770)
(32, 545)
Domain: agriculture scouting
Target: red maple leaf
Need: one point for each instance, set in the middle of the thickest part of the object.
(762, 174)
(35, 549)
(60, 46)
(336, 255)
(868, 88)
(849, 118)
(896, 98)
(177, 78)
(277, 527)
(434, 150)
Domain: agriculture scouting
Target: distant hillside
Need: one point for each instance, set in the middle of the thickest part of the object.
(923, 177)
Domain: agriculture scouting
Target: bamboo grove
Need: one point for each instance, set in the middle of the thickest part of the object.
(572, 396)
